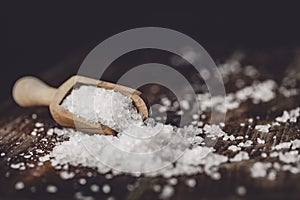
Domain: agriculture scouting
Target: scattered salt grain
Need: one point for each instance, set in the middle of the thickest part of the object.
(51, 189)
(295, 144)
(242, 155)
(39, 125)
(94, 188)
(241, 190)
(173, 181)
(33, 133)
(191, 182)
(167, 192)
(106, 189)
(272, 175)
(283, 145)
(231, 138)
(19, 185)
(239, 137)
(50, 132)
(264, 155)
(259, 169)
(82, 181)
(263, 128)
(234, 148)
(248, 143)
(17, 166)
(289, 116)
(185, 104)
(260, 141)
(289, 157)
(66, 175)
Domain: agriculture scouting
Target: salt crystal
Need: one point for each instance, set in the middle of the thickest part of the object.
(191, 182)
(39, 125)
(234, 148)
(17, 166)
(264, 155)
(240, 137)
(173, 181)
(34, 116)
(19, 185)
(66, 175)
(260, 141)
(241, 190)
(289, 116)
(295, 144)
(289, 157)
(2, 154)
(167, 192)
(283, 145)
(226, 137)
(106, 189)
(275, 124)
(166, 102)
(33, 133)
(195, 116)
(94, 188)
(39, 151)
(248, 143)
(82, 181)
(162, 109)
(242, 155)
(259, 169)
(51, 189)
(185, 104)
(274, 154)
(108, 176)
(50, 132)
(263, 128)
(272, 175)
(251, 71)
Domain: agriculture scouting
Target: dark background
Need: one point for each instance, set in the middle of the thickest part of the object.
(35, 36)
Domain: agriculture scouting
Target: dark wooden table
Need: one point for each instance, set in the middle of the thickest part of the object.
(16, 125)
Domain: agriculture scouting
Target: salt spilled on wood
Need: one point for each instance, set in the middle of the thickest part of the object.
(196, 159)
(117, 111)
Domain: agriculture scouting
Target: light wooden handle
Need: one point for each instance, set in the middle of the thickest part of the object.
(29, 91)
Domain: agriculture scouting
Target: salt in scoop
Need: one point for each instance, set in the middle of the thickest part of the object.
(30, 91)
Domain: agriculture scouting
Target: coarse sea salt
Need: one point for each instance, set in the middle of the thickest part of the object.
(84, 145)
(117, 111)
(263, 128)
(167, 192)
(257, 92)
(289, 116)
(108, 107)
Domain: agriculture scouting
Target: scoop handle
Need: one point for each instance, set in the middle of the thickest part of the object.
(30, 91)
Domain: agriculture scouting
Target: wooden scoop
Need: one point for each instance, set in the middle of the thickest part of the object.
(30, 91)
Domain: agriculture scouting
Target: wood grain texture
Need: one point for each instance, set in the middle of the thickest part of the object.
(16, 125)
